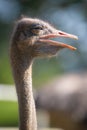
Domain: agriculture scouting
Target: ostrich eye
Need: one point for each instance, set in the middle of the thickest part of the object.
(36, 29)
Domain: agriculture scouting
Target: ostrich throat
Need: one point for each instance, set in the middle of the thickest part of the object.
(22, 71)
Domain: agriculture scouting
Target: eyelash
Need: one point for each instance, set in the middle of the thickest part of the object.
(38, 28)
(35, 30)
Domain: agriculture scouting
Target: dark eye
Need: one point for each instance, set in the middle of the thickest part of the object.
(36, 29)
(37, 26)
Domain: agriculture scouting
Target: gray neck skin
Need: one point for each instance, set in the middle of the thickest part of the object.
(22, 71)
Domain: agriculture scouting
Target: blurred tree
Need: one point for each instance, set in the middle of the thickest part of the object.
(69, 15)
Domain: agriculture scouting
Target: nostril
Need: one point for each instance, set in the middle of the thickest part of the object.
(61, 33)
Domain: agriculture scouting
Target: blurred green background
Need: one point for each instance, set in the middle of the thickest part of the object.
(67, 15)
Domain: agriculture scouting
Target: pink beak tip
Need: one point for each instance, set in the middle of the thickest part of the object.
(74, 48)
(76, 37)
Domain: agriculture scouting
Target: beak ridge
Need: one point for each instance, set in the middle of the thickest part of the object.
(67, 35)
(59, 34)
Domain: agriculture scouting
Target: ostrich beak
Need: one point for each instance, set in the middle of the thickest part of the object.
(58, 33)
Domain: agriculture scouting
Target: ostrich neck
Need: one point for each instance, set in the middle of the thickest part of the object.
(22, 71)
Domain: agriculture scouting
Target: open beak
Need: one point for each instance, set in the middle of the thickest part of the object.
(58, 33)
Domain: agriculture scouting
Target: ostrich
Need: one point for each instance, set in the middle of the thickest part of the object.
(65, 96)
(30, 40)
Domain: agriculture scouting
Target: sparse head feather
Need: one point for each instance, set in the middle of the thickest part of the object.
(34, 34)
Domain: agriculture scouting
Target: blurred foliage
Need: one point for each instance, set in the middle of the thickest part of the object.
(8, 115)
(69, 15)
(45, 70)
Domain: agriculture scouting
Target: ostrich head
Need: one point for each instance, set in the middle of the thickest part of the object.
(33, 36)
